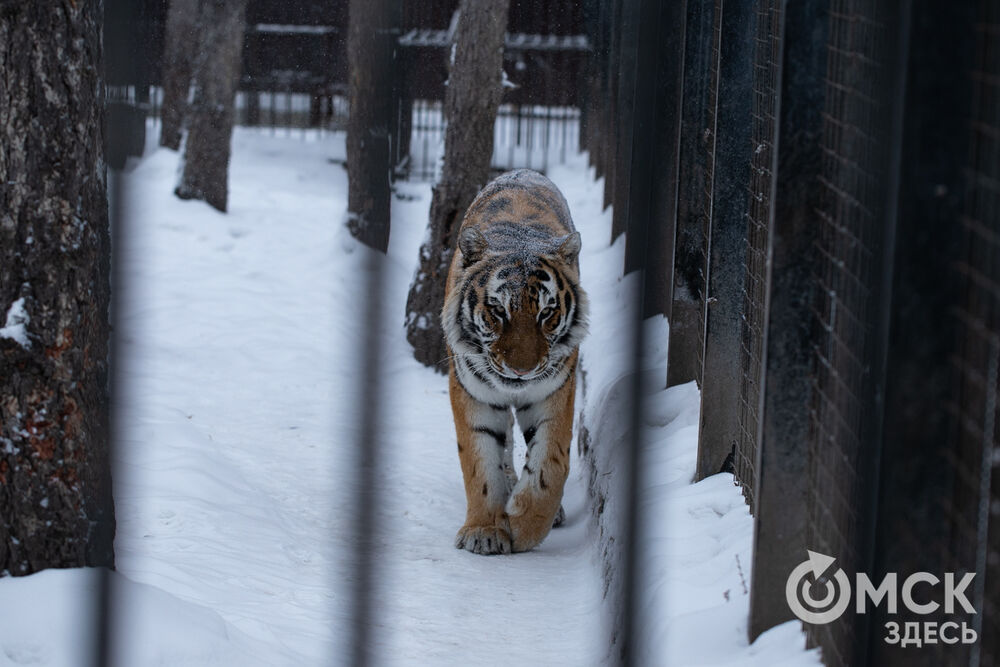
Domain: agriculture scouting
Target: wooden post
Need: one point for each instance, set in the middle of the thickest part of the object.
(781, 484)
(727, 243)
(688, 309)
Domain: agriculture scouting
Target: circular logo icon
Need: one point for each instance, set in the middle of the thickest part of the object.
(831, 603)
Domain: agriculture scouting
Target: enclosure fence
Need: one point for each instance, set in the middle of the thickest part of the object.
(833, 285)
(812, 190)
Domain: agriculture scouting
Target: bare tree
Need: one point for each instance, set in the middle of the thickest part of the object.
(475, 86)
(210, 117)
(370, 45)
(55, 478)
(181, 45)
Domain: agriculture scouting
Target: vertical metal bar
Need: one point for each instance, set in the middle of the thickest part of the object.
(368, 445)
(657, 56)
(107, 607)
(565, 136)
(117, 141)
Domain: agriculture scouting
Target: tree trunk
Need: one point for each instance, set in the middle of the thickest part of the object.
(55, 477)
(370, 46)
(181, 45)
(210, 118)
(471, 101)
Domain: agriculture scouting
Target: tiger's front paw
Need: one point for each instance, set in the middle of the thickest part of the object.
(484, 540)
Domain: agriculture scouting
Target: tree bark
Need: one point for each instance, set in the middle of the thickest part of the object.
(181, 44)
(471, 102)
(55, 479)
(370, 46)
(210, 126)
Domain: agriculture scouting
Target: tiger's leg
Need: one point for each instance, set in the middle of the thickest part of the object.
(534, 505)
(485, 434)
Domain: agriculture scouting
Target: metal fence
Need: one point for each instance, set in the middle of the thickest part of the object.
(841, 311)
(534, 137)
(974, 412)
(812, 189)
(849, 301)
(765, 96)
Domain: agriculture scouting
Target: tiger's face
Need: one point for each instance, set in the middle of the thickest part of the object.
(517, 316)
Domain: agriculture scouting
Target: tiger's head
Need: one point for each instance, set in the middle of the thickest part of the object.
(516, 313)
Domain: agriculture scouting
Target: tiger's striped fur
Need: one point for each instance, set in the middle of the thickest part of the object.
(513, 318)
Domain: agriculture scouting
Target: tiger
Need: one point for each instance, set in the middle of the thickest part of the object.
(514, 315)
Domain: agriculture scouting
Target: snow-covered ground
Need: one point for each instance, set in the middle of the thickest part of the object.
(236, 472)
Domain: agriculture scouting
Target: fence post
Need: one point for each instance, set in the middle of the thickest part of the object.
(687, 310)
(626, 55)
(781, 479)
(727, 242)
(652, 192)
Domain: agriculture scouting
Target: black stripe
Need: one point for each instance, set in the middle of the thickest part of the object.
(559, 280)
(576, 317)
(475, 373)
(505, 272)
(481, 275)
(499, 407)
(529, 434)
(468, 335)
(498, 204)
(471, 298)
(496, 435)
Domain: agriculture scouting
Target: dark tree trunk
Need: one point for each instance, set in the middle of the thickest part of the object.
(370, 46)
(210, 118)
(55, 477)
(181, 45)
(471, 101)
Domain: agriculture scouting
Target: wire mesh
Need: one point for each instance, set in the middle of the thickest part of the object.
(973, 508)
(533, 137)
(767, 48)
(851, 218)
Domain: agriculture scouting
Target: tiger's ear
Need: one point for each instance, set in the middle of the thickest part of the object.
(472, 243)
(569, 247)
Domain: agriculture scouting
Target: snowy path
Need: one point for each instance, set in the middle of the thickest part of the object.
(236, 477)
(236, 488)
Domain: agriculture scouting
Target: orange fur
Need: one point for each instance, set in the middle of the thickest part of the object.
(518, 235)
